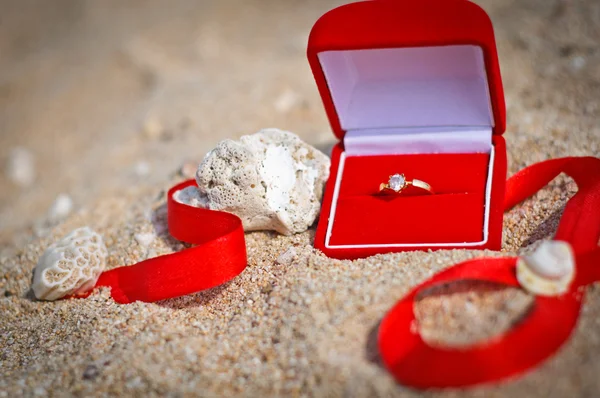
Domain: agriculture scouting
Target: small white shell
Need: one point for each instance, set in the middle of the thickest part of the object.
(549, 270)
(70, 266)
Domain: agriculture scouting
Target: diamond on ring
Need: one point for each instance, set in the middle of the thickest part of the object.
(396, 182)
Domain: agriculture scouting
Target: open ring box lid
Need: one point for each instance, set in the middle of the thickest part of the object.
(410, 87)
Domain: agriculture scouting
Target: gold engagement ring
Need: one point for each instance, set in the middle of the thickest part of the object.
(397, 183)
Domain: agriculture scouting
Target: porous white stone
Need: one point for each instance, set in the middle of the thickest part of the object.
(549, 270)
(271, 179)
(70, 266)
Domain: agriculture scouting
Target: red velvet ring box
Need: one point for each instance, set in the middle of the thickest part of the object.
(410, 87)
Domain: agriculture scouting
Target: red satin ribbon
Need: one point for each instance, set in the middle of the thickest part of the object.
(219, 256)
(543, 330)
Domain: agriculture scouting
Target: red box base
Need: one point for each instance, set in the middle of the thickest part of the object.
(454, 213)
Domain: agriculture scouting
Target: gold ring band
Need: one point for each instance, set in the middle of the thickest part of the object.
(397, 183)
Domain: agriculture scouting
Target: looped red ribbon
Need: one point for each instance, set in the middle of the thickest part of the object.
(543, 330)
(219, 256)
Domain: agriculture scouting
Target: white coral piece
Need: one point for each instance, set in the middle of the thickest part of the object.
(549, 270)
(271, 179)
(70, 266)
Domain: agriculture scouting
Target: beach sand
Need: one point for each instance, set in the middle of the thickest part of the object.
(111, 98)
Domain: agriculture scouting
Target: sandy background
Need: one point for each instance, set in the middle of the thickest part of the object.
(110, 98)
